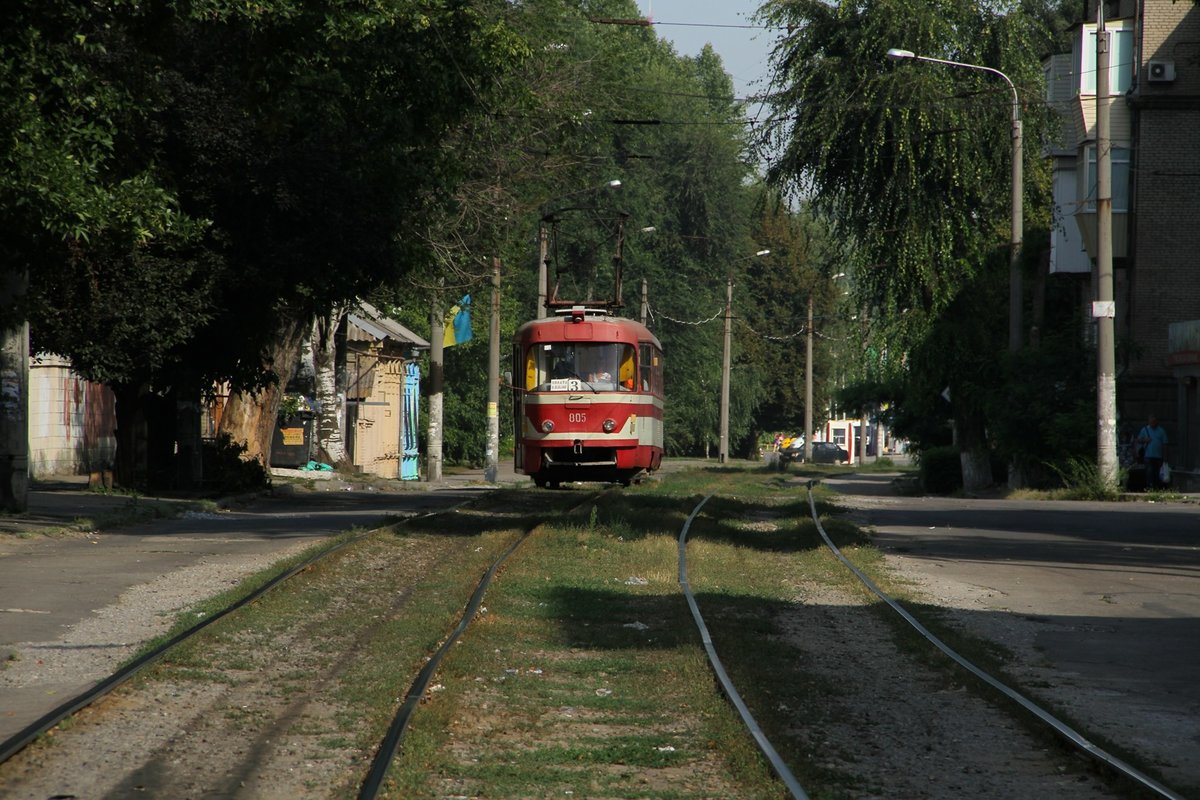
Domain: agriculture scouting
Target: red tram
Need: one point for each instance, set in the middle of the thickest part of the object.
(589, 399)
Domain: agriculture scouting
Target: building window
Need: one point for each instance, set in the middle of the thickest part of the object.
(1122, 62)
(1120, 179)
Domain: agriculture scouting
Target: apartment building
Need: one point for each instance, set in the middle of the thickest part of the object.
(1154, 103)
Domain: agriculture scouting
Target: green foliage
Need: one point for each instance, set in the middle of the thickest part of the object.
(309, 138)
(291, 405)
(564, 131)
(910, 160)
(226, 472)
(1047, 409)
(940, 470)
(774, 305)
(1083, 480)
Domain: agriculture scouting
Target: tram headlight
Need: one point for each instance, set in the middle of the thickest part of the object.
(547, 426)
(609, 425)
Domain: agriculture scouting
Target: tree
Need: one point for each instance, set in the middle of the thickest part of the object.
(303, 148)
(909, 164)
(593, 103)
(801, 267)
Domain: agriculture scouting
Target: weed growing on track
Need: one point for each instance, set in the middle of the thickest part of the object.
(586, 676)
(583, 672)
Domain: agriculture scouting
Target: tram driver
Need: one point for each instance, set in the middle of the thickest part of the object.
(564, 365)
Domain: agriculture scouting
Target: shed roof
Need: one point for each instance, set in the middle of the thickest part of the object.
(367, 323)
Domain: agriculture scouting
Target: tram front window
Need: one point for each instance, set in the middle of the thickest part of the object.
(584, 366)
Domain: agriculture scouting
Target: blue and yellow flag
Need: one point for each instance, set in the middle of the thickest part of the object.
(458, 323)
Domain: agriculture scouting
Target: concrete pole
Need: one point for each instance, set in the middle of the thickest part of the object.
(543, 251)
(433, 463)
(723, 447)
(492, 450)
(1015, 289)
(645, 310)
(808, 383)
(1104, 309)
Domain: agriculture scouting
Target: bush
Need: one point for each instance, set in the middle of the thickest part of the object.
(940, 470)
(1084, 481)
(227, 472)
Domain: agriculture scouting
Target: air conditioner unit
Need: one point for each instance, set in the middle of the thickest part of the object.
(1161, 71)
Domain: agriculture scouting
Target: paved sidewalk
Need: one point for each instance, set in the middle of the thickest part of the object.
(66, 503)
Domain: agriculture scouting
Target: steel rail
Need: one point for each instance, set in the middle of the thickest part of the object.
(24, 737)
(772, 756)
(391, 742)
(390, 745)
(1063, 729)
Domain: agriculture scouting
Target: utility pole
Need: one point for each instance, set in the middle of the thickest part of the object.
(862, 421)
(723, 446)
(492, 450)
(645, 311)
(808, 382)
(433, 468)
(1017, 230)
(1104, 309)
(543, 252)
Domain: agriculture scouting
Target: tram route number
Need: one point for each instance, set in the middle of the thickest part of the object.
(577, 416)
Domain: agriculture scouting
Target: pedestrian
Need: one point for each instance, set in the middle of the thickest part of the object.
(1152, 439)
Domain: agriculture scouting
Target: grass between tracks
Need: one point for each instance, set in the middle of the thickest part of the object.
(584, 674)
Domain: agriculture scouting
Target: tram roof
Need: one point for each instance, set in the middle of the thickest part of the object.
(554, 328)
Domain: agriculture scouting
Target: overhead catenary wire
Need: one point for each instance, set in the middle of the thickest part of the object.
(656, 314)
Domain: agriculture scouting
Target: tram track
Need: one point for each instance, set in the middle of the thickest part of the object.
(1118, 771)
(255, 724)
(1067, 733)
(160, 733)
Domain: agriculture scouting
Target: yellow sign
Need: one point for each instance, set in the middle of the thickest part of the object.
(292, 436)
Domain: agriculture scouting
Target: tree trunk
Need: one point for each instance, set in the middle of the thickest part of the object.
(130, 435)
(249, 417)
(329, 422)
(974, 456)
(159, 413)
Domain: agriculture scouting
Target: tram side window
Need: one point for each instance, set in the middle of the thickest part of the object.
(657, 371)
(532, 372)
(651, 371)
(626, 378)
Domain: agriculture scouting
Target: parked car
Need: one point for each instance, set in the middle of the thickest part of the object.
(822, 452)
(828, 453)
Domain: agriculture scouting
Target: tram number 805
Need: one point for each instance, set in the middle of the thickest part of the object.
(577, 416)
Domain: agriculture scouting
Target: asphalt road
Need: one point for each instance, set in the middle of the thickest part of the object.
(1100, 601)
(50, 584)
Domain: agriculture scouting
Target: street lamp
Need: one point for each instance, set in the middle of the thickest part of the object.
(723, 446)
(1014, 258)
